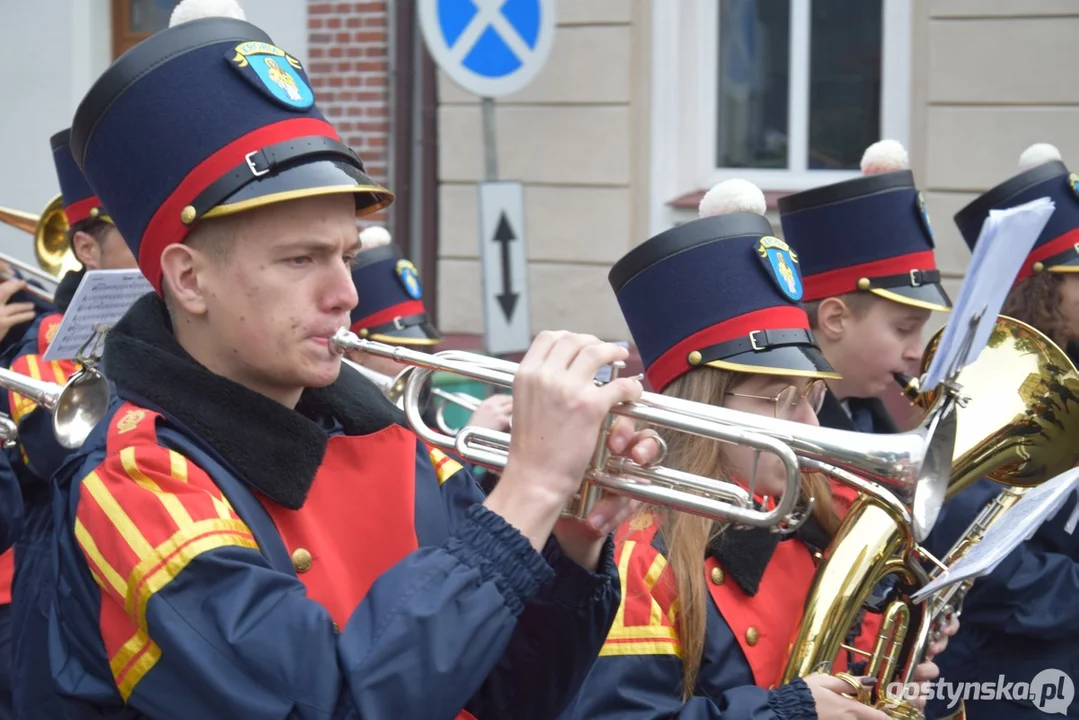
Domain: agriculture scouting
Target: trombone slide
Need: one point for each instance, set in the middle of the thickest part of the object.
(26, 269)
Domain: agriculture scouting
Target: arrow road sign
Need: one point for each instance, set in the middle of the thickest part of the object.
(505, 269)
(507, 298)
(489, 47)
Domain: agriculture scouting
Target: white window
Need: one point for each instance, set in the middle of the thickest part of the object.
(784, 93)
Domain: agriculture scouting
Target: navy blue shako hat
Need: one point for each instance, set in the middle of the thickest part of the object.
(870, 234)
(204, 119)
(720, 291)
(1042, 174)
(78, 198)
(390, 307)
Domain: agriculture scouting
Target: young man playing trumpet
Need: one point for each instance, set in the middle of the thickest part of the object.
(252, 532)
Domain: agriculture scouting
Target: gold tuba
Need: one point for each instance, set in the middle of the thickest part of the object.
(1019, 425)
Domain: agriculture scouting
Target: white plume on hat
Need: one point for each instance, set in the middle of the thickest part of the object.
(374, 236)
(732, 196)
(1038, 154)
(885, 156)
(189, 10)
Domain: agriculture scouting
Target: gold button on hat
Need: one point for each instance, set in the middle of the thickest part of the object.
(301, 560)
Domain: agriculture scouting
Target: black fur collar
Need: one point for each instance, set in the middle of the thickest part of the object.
(744, 554)
(65, 291)
(275, 450)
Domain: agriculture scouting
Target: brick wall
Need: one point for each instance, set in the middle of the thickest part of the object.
(349, 67)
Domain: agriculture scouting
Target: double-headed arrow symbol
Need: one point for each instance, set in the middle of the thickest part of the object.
(507, 299)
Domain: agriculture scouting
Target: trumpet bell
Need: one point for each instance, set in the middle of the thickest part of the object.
(1020, 423)
(80, 407)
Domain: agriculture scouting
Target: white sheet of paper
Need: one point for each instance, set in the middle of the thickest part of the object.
(102, 297)
(1006, 239)
(1018, 524)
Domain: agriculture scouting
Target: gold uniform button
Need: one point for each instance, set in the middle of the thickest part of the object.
(301, 560)
(717, 576)
(752, 636)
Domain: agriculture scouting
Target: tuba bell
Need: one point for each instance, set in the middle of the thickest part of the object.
(1018, 424)
(1019, 438)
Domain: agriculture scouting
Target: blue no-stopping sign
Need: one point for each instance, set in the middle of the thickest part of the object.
(489, 47)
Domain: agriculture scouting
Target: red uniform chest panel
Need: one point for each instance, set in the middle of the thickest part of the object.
(765, 623)
(357, 521)
(7, 572)
(46, 331)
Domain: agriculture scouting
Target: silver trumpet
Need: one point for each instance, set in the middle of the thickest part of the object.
(913, 464)
(76, 406)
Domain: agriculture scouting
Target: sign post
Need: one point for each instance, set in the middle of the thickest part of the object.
(493, 48)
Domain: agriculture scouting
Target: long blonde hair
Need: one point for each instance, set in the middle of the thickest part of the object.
(686, 537)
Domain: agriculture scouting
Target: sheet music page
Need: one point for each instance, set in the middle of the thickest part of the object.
(103, 297)
(1017, 525)
(1006, 239)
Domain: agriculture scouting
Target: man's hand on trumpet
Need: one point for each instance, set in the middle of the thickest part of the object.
(557, 414)
(13, 313)
(493, 413)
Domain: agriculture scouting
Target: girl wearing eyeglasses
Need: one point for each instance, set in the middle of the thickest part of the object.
(707, 614)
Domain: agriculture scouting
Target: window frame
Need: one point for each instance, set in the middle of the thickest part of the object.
(123, 39)
(685, 87)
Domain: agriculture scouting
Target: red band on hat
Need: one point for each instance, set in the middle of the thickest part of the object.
(845, 280)
(387, 315)
(165, 227)
(79, 210)
(674, 363)
(1054, 247)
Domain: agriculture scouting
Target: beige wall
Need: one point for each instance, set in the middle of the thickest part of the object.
(991, 77)
(577, 138)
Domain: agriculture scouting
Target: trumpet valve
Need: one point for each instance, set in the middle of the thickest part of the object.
(588, 494)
